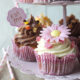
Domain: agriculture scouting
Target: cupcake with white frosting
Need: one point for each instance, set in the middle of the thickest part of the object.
(55, 53)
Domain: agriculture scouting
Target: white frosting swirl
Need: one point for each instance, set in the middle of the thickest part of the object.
(58, 49)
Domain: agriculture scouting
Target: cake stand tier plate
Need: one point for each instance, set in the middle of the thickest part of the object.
(54, 3)
(32, 68)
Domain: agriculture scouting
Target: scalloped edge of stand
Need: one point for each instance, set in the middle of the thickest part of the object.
(55, 3)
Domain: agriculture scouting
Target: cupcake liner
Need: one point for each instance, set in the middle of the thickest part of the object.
(25, 53)
(51, 65)
(26, 1)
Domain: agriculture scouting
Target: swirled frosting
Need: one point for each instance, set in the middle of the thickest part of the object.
(58, 49)
(27, 37)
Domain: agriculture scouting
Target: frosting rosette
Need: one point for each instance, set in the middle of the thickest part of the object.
(55, 53)
(58, 49)
(27, 34)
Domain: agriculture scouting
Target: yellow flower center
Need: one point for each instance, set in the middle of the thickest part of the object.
(26, 22)
(55, 33)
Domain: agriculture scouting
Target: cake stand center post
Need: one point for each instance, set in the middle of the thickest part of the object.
(64, 14)
(45, 10)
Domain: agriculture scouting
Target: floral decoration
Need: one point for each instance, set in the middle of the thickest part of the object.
(55, 33)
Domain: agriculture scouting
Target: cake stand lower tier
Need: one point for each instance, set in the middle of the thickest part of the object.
(32, 68)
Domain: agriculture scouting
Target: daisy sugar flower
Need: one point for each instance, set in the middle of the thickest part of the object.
(55, 33)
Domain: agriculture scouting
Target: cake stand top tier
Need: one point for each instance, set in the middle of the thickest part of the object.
(56, 3)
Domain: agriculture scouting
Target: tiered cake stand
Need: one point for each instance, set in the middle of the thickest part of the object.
(31, 67)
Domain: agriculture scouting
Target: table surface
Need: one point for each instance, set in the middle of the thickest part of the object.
(4, 75)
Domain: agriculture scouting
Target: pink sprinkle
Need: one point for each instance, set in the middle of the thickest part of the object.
(61, 41)
(72, 44)
(38, 38)
(48, 40)
(48, 45)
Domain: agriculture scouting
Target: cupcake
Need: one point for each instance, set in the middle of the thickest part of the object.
(44, 20)
(55, 53)
(74, 25)
(26, 1)
(24, 41)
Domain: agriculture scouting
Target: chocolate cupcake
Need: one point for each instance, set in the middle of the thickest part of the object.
(74, 25)
(25, 40)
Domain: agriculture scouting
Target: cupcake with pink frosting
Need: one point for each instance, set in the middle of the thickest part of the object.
(55, 53)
